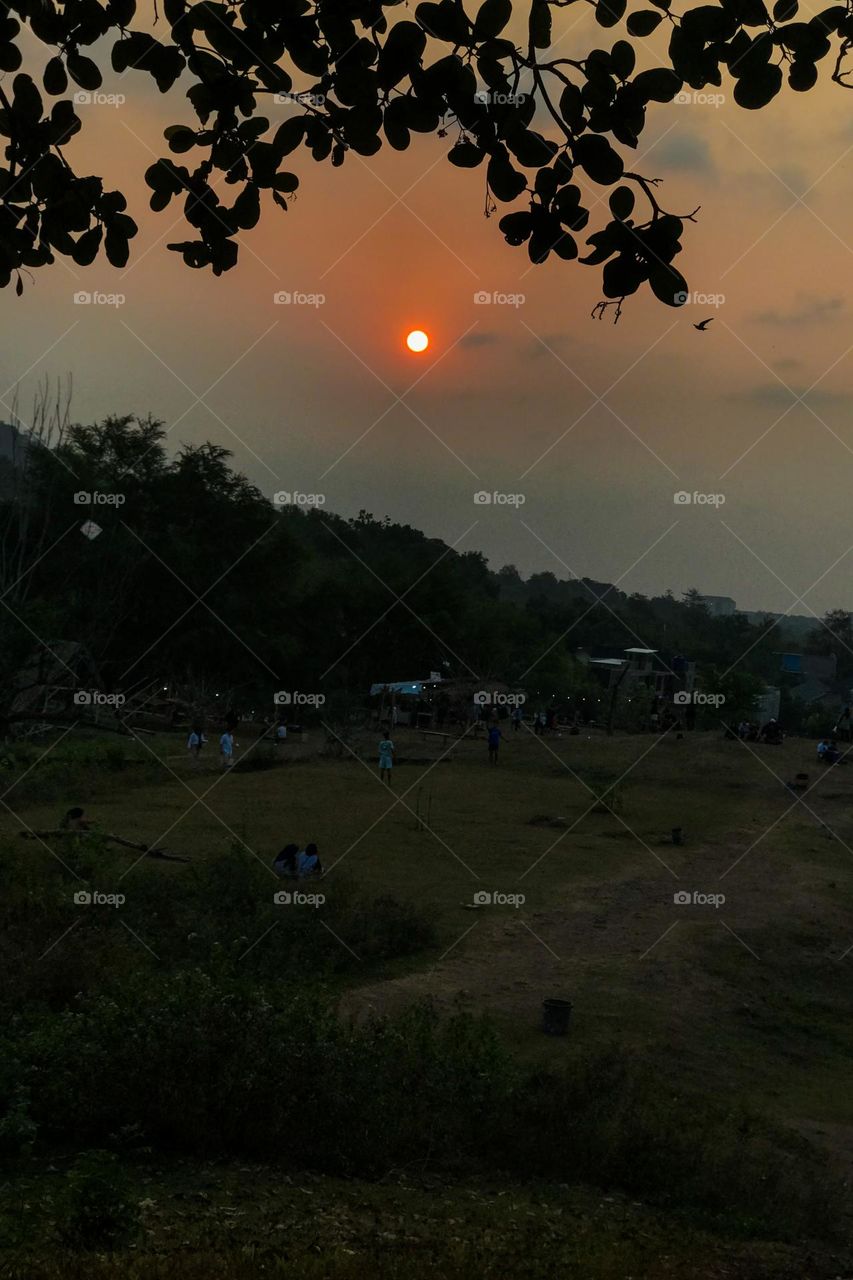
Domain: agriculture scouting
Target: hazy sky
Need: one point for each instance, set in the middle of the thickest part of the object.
(597, 426)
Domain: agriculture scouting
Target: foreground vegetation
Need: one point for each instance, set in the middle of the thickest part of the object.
(194, 1220)
(192, 1083)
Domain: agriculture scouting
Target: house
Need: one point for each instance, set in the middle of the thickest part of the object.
(812, 678)
(719, 606)
(412, 702)
(662, 674)
(767, 704)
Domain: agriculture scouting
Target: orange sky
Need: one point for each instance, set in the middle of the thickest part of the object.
(507, 397)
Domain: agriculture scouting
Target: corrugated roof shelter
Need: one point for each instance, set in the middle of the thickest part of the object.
(413, 687)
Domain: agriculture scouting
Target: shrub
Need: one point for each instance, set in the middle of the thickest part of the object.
(94, 1209)
(215, 1067)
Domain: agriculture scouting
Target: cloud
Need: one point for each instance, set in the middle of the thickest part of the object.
(775, 396)
(684, 150)
(806, 311)
(547, 343)
(479, 338)
(794, 178)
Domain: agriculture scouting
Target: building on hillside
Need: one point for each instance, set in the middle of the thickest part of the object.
(439, 702)
(812, 678)
(422, 703)
(719, 606)
(663, 674)
(768, 704)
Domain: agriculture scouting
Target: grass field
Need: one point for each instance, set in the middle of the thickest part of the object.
(745, 999)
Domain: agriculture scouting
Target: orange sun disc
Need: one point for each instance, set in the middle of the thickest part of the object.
(417, 341)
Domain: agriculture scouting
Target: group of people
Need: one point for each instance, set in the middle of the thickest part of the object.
(543, 721)
(828, 752)
(295, 863)
(771, 732)
(197, 741)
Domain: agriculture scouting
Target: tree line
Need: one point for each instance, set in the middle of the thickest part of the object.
(176, 567)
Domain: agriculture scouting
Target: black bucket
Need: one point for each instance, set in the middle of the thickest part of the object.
(556, 1015)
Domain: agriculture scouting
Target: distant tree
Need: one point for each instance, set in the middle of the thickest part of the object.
(834, 636)
(356, 76)
(313, 601)
(740, 691)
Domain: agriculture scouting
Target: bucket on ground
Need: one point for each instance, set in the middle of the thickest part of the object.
(556, 1015)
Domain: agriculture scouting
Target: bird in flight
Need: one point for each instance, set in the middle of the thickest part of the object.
(703, 324)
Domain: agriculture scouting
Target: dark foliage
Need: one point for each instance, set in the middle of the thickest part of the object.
(356, 77)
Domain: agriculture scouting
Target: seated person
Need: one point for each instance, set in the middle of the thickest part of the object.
(772, 733)
(308, 862)
(285, 862)
(75, 820)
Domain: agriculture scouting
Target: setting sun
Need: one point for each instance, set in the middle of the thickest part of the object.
(417, 340)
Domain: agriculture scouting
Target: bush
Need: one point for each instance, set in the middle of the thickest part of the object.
(615, 1124)
(219, 916)
(94, 1209)
(218, 1067)
(222, 1067)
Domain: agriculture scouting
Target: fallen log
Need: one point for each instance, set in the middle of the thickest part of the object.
(119, 840)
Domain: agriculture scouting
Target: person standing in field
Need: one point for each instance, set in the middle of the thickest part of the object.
(495, 736)
(195, 742)
(386, 759)
(226, 749)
